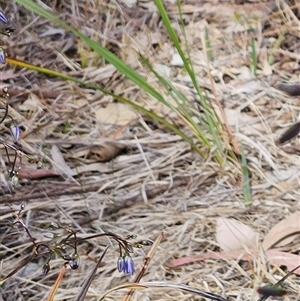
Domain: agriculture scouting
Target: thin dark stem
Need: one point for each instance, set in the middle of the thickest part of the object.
(263, 298)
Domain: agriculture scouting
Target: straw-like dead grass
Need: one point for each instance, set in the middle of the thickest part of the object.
(132, 176)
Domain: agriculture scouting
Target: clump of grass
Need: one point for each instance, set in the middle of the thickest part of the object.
(207, 135)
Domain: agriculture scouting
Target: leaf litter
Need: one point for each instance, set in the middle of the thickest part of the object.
(175, 191)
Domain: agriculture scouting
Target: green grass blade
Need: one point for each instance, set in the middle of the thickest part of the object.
(103, 52)
(246, 180)
(139, 108)
(214, 126)
(253, 56)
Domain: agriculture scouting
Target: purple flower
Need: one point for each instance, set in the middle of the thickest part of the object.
(120, 264)
(2, 56)
(128, 265)
(15, 132)
(3, 18)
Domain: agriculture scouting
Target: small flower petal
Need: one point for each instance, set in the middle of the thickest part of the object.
(2, 56)
(3, 18)
(128, 265)
(15, 132)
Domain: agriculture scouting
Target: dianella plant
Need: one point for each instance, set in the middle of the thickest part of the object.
(6, 119)
(60, 241)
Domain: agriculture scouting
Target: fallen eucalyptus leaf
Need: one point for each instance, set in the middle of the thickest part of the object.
(233, 235)
(283, 232)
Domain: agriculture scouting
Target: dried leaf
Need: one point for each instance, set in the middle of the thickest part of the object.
(250, 86)
(98, 167)
(289, 134)
(274, 257)
(61, 165)
(209, 255)
(32, 104)
(279, 258)
(293, 90)
(107, 151)
(116, 113)
(232, 235)
(37, 173)
(284, 232)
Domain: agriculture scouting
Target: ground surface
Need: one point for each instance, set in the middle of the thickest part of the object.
(155, 182)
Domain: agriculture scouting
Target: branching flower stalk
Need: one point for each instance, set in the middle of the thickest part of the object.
(59, 249)
(14, 129)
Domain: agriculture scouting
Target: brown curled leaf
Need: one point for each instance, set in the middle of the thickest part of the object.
(289, 134)
(107, 151)
(293, 90)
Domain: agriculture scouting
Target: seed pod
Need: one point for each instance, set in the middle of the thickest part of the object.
(3, 18)
(146, 242)
(130, 236)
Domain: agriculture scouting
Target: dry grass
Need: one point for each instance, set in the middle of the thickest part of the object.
(155, 182)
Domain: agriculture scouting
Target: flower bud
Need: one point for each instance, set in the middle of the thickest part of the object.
(14, 132)
(120, 264)
(2, 56)
(128, 265)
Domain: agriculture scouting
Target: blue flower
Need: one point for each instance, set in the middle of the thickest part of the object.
(15, 132)
(128, 265)
(125, 264)
(3, 18)
(120, 264)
